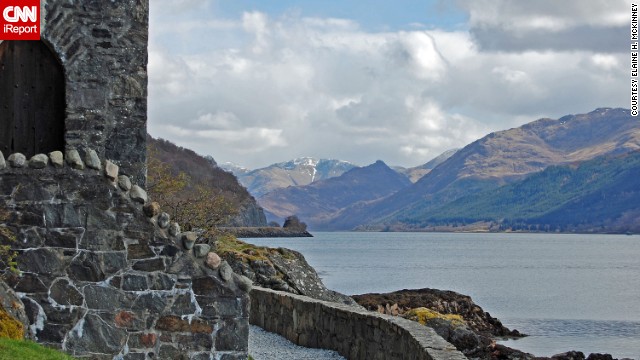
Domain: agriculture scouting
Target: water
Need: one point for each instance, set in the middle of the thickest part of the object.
(569, 292)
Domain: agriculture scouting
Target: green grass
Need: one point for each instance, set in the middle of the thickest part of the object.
(20, 349)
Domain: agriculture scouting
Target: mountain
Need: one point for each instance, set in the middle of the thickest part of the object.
(233, 168)
(203, 171)
(497, 159)
(602, 194)
(415, 173)
(316, 202)
(301, 171)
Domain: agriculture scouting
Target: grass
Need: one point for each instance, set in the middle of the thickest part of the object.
(247, 252)
(21, 349)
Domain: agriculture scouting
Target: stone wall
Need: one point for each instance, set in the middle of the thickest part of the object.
(105, 274)
(353, 332)
(102, 46)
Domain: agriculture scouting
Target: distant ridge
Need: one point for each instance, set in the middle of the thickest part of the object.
(316, 202)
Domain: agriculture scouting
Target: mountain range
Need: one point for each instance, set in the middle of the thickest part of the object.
(297, 172)
(318, 201)
(530, 177)
(495, 160)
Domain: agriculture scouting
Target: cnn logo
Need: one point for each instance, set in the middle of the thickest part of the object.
(20, 20)
(15, 13)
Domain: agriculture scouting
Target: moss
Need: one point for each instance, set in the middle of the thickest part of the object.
(10, 327)
(19, 349)
(7, 255)
(423, 315)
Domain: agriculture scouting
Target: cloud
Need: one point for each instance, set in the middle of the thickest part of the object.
(260, 89)
(513, 25)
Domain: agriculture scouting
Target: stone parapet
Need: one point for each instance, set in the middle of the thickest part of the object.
(355, 333)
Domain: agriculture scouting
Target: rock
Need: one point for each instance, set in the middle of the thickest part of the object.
(57, 158)
(66, 294)
(598, 356)
(138, 194)
(17, 160)
(39, 161)
(124, 182)
(12, 304)
(174, 229)
(201, 250)
(176, 324)
(569, 355)
(444, 302)
(244, 283)
(189, 239)
(95, 335)
(225, 271)
(74, 160)
(151, 209)
(111, 170)
(92, 160)
(213, 260)
(163, 220)
(3, 164)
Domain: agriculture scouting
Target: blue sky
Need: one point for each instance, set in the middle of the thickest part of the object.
(259, 82)
(374, 15)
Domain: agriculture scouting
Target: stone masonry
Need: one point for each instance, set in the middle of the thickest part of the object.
(355, 333)
(105, 274)
(102, 46)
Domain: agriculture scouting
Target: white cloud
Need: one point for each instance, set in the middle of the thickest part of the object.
(260, 89)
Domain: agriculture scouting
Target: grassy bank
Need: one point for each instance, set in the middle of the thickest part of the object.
(20, 349)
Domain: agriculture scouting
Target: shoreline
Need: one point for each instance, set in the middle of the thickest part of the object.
(265, 232)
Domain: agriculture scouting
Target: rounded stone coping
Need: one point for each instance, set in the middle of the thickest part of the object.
(425, 343)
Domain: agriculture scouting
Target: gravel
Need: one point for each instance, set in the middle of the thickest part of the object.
(264, 345)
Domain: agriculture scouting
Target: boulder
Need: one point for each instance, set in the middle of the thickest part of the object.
(39, 161)
(17, 160)
(111, 170)
(74, 160)
(138, 194)
(92, 160)
(124, 182)
(57, 158)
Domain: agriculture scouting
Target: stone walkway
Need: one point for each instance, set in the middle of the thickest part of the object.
(264, 345)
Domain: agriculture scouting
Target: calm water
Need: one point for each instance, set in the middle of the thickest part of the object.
(569, 292)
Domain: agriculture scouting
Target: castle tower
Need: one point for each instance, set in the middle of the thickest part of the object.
(83, 85)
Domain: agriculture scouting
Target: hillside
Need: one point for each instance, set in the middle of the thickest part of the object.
(297, 172)
(500, 158)
(602, 194)
(202, 171)
(416, 173)
(318, 201)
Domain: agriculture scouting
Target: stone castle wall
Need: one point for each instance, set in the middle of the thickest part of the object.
(355, 333)
(105, 274)
(102, 46)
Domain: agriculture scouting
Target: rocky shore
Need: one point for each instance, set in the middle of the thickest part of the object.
(460, 321)
(265, 232)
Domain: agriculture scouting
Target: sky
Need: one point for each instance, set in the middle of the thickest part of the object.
(255, 82)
